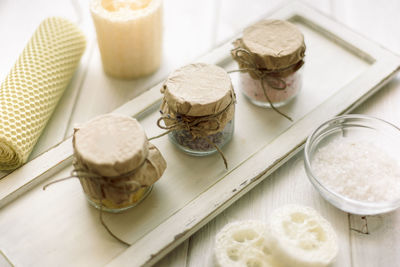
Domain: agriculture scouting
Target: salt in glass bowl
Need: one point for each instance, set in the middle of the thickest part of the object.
(385, 135)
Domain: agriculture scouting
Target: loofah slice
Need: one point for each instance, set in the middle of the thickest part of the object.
(243, 243)
(299, 236)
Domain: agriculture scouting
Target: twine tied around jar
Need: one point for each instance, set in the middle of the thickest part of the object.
(81, 172)
(192, 125)
(245, 58)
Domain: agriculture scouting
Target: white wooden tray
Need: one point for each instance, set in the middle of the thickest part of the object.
(57, 227)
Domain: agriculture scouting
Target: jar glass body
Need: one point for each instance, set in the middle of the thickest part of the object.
(202, 146)
(112, 198)
(254, 92)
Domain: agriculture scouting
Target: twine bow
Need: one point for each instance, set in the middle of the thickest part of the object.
(80, 172)
(245, 58)
(193, 126)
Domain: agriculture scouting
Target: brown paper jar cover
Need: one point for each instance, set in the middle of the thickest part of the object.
(270, 57)
(275, 44)
(198, 90)
(111, 146)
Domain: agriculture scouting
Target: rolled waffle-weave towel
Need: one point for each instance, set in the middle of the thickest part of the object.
(34, 86)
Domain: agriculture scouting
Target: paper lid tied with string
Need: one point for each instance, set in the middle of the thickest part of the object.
(274, 44)
(115, 162)
(199, 90)
(270, 56)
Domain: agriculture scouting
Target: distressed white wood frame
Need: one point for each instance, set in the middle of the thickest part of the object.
(382, 66)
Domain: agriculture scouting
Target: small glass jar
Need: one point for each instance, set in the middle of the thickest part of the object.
(270, 56)
(115, 163)
(199, 146)
(254, 91)
(112, 200)
(198, 108)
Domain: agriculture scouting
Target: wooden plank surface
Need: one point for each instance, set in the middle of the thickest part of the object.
(378, 21)
(196, 28)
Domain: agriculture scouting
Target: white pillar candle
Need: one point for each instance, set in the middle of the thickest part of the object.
(129, 34)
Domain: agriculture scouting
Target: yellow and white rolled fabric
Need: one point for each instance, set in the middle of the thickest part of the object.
(129, 34)
(34, 86)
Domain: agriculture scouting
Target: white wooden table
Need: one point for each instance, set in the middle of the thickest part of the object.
(191, 29)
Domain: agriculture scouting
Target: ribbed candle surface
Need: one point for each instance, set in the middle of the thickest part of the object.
(34, 86)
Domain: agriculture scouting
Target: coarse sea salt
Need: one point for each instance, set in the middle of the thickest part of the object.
(358, 169)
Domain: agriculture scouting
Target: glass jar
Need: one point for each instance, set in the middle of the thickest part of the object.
(115, 163)
(270, 57)
(198, 108)
(202, 146)
(254, 91)
(112, 199)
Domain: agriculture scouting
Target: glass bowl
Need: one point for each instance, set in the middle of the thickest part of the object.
(380, 133)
